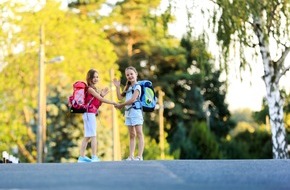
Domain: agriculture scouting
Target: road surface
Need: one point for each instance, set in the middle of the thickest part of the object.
(147, 175)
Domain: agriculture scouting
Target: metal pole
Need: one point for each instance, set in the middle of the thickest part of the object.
(115, 129)
(41, 99)
(161, 123)
(113, 116)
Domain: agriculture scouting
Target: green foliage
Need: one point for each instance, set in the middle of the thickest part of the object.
(204, 141)
(287, 117)
(260, 146)
(256, 26)
(199, 144)
(242, 115)
(132, 35)
(262, 115)
(191, 94)
(64, 130)
(215, 92)
(250, 139)
(84, 46)
(134, 38)
(234, 25)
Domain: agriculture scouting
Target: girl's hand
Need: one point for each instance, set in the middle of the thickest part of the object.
(116, 82)
(119, 106)
(104, 92)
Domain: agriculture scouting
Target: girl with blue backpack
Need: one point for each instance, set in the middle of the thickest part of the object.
(133, 117)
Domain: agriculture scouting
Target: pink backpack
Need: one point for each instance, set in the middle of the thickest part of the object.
(77, 102)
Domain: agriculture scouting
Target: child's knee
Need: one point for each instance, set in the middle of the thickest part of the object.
(132, 134)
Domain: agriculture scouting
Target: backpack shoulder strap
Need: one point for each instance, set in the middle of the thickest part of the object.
(134, 88)
(86, 94)
(138, 99)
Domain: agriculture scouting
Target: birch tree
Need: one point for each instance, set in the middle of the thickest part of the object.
(259, 25)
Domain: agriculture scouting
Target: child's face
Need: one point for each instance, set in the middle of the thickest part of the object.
(95, 79)
(131, 75)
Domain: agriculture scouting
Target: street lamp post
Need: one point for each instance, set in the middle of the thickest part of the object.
(162, 105)
(116, 155)
(41, 126)
(161, 122)
(41, 99)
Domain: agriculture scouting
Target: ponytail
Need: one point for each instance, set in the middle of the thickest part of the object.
(128, 83)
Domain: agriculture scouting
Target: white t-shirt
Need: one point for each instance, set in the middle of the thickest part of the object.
(131, 112)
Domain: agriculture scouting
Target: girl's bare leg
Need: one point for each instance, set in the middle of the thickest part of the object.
(132, 134)
(84, 145)
(94, 146)
(140, 136)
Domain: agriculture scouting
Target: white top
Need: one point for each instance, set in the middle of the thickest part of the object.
(131, 112)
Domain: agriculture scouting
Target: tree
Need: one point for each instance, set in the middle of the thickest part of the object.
(259, 25)
(192, 92)
(83, 44)
(240, 148)
(139, 39)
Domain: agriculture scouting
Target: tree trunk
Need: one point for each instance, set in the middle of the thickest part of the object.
(274, 99)
(275, 102)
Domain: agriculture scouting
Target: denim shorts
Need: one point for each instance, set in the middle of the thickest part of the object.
(133, 121)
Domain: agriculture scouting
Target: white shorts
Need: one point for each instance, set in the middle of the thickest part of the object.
(133, 121)
(90, 124)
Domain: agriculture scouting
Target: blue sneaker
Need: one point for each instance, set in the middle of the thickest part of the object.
(83, 159)
(95, 159)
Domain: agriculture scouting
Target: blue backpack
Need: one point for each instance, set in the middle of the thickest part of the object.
(148, 99)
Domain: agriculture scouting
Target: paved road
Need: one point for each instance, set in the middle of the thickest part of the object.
(147, 175)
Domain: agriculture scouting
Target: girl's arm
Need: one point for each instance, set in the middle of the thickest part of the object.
(119, 96)
(118, 90)
(99, 97)
(104, 92)
(130, 101)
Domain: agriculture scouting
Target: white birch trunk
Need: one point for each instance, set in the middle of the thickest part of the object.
(275, 103)
(274, 99)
